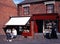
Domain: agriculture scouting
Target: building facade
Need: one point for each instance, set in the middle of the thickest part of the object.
(42, 13)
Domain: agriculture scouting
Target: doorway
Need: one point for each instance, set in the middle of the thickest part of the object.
(39, 26)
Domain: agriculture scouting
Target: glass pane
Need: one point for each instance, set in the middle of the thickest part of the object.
(49, 24)
(50, 8)
(26, 10)
(49, 11)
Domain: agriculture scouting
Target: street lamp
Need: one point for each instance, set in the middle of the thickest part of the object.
(16, 2)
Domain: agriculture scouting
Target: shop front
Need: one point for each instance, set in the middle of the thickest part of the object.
(37, 23)
(44, 22)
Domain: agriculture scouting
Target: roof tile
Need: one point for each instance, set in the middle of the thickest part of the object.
(30, 1)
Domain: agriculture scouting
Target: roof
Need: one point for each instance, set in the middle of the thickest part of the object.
(34, 1)
(31, 1)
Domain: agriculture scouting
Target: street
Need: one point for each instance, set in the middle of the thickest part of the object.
(36, 40)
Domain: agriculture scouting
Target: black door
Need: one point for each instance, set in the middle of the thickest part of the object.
(40, 25)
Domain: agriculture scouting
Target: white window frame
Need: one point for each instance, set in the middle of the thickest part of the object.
(26, 5)
(49, 2)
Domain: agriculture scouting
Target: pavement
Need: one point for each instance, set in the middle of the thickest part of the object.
(38, 39)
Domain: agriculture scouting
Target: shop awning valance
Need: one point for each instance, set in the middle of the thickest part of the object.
(18, 21)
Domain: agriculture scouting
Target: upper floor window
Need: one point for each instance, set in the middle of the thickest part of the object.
(26, 10)
(50, 8)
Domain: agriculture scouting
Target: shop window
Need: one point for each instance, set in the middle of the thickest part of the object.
(20, 28)
(26, 10)
(49, 24)
(26, 28)
(50, 8)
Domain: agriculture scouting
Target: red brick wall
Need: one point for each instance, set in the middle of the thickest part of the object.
(7, 9)
(21, 10)
(57, 7)
(37, 8)
(34, 9)
(41, 8)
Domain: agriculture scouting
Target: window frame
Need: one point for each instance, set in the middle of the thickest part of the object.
(26, 10)
(51, 9)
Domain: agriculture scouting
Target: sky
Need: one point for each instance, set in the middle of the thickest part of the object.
(17, 1)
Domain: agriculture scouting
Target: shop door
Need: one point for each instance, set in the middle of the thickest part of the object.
(39, 25)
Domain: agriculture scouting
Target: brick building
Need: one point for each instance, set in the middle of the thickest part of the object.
(7, 9)
(41, 12)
